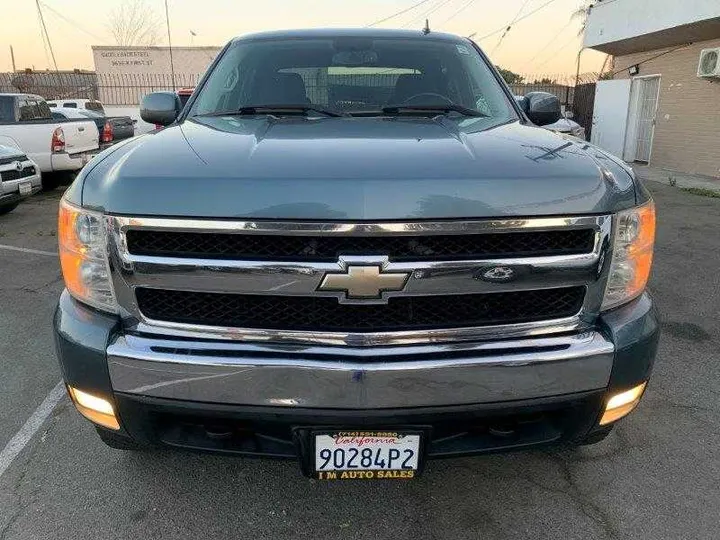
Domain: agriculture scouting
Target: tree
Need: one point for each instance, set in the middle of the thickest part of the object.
(582, 13)
(544, 80)
(510, 76)
(134, 24)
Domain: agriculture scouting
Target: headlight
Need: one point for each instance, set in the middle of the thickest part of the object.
(83, 256)
(632, 255)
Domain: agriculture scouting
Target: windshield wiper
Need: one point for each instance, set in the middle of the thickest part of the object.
(275, 109)
(419, 109)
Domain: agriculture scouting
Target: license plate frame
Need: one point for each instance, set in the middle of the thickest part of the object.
(309, 458)
(25, 188)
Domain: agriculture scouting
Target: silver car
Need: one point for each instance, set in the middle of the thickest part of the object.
(19, 178)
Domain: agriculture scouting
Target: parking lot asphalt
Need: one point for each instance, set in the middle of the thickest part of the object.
(657, 475)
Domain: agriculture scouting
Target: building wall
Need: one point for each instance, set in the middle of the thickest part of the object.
(150, 60)
(687, 129)
(613, 20)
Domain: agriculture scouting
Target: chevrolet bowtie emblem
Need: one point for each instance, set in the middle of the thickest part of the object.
(364, 282)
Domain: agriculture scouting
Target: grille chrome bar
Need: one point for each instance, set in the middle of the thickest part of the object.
(292, 278)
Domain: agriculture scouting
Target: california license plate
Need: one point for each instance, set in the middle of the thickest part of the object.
(347, 455)
(25, 188)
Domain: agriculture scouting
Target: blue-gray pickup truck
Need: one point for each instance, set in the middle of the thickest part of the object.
(356, 249)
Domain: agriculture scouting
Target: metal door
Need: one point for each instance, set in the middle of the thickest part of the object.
(647, 109)
(612, 99)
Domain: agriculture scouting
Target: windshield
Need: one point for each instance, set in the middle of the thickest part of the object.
(354, 76)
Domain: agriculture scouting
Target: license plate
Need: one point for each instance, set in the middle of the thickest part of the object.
(25, 188)
(346, 455)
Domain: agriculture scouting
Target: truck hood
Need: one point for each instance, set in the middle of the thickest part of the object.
(354, 169)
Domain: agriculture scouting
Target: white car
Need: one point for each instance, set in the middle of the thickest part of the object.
(19, 178)
(55, 146)
(565, 125)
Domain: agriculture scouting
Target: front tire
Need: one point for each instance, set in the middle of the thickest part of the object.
(8, 208)
(119, 442)
(50, 181)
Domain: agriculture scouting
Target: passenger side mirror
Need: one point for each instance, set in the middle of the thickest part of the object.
(160, 108)
(543, 108)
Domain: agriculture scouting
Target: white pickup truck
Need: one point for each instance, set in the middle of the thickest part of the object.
(58, 147)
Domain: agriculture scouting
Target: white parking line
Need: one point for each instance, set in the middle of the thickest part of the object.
(22, 437)
(28, 250)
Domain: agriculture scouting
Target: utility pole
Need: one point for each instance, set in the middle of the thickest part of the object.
(172, 66)
(47, 37)
(12, 58)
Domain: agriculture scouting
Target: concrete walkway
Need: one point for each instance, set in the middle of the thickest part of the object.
(676, 179)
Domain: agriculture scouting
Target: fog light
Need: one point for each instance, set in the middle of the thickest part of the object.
(622, 404)
(95, 409)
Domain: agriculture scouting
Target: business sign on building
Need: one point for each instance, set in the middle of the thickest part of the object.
(126, 74)
(152, 60)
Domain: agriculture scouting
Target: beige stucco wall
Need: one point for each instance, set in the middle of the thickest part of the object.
(126, 74)
(141, 60)
(687, 129)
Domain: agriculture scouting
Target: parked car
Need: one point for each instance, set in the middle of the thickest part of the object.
(563, 125)
(19, 178)
(110, 129)
(393, 266)
(184, 94)
(83, 104)
(56, 147)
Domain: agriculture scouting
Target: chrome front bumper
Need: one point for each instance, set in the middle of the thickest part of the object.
(360, 378)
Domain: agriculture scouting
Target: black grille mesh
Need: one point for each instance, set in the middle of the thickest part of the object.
(324, 313)
(328, 248)
(16, 175)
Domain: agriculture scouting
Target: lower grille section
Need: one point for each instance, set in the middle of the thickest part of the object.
(327, 314)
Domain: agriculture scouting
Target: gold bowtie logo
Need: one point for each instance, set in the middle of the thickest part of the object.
(364, 282)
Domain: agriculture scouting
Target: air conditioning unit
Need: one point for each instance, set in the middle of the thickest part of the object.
(709, 66)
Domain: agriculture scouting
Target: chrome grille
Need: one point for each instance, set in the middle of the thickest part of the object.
(171, 278)
(328, 248)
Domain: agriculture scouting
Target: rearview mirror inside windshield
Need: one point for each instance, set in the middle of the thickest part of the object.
(355, 58)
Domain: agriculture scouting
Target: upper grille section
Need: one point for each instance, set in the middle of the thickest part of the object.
(214, 245)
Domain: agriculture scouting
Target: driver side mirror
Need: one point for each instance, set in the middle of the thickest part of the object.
(542, 108)
(160, 108)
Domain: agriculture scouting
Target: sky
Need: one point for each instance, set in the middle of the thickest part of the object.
(544, 43)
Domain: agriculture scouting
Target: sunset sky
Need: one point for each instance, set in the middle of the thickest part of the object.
(546, 42)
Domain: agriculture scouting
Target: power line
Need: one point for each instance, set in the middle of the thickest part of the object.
(517, 21)
(72, 23)
(399, 13)
(458, 12)
(552, 40)
(424, 14)
(552, 56)
(525, 3)
(42, 22)
(172, 65)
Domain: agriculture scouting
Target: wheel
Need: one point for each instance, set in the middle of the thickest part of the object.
(8, 208)
(595, 437)
(119, 442)
(50, 181)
